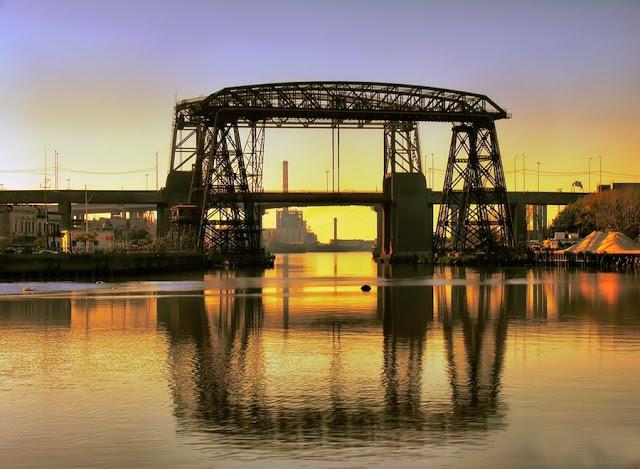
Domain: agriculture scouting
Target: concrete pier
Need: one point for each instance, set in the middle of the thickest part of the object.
(407, 220)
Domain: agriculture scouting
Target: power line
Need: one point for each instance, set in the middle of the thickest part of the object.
(78, 171)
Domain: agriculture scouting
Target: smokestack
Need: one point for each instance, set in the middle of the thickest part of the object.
(335, 229)
(285, 176)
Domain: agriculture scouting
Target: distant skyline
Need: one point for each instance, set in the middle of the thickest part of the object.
(97, 82)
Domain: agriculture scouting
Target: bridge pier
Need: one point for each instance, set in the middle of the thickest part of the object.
(519, 220)
(539, 220)
(406, 231)
(162, 220)
(64, 209)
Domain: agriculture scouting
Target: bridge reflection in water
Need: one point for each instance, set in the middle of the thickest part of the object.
(297, 362)
(235, 370)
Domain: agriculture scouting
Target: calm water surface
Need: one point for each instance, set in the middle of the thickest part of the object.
(295, 366)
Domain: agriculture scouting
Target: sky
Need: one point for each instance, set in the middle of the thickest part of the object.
(97, 82)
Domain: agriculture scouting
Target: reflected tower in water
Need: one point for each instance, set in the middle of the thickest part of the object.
(474, 324)
(362, 379)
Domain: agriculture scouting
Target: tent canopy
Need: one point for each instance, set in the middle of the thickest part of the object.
(609, 242)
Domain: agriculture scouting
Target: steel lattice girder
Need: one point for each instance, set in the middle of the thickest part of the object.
(321, 104)
(232, 226)
(206, 129)
(402, 148)
(474, 213)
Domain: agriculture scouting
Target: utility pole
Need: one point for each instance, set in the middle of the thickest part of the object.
(589, 188)
(56, 171)
(46, 212)
(515, 173)
(333, 159)
(68, 183)
(538, 176)
(433, 171)
(600, 178)
(156, 170)
(524, 173)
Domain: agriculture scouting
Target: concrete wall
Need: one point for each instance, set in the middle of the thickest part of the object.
(407, 222)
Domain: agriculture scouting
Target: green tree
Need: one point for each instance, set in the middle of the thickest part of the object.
(617, 210)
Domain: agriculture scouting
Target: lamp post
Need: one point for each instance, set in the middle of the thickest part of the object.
(515, 173)
(589, 187)
(524, 173)
(538, 163)
(600, 177)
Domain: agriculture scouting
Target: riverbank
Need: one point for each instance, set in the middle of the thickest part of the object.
(111, 265)
(590, 260)
(71, 266)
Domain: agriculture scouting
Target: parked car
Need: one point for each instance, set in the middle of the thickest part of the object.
(46, 251)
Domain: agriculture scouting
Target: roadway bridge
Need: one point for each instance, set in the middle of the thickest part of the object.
(72, 202)
(150, 200)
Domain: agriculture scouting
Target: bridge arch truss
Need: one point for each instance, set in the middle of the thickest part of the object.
(220, 139)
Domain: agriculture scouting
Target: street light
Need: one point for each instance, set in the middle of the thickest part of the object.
(600, 178)
(515, 173)
(524, 173)
(538, 163)
(589, 187)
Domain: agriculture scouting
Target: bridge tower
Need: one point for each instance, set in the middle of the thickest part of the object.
(406, 226)
(224, 163)
(474, 213)
(222, 135)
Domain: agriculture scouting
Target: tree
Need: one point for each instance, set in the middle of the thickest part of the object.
(139, 237)
(617, 210)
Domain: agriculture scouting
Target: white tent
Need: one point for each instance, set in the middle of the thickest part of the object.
(609, 242)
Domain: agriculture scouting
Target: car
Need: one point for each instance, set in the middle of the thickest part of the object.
(46, 251)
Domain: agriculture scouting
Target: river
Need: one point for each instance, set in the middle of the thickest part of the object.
(297, 367)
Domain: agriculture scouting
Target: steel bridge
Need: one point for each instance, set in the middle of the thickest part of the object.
(214, 195)
(220, 138)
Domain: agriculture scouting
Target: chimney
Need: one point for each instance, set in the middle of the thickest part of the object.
(335, 229)
(285, 176)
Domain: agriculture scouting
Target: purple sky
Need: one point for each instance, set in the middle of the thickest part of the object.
(97, 80)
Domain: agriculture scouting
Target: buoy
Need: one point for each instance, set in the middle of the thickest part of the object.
(365, 287)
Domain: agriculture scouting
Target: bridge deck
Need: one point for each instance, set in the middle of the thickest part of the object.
(271, 199)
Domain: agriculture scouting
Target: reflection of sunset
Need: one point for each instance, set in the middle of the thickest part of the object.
(443, 356)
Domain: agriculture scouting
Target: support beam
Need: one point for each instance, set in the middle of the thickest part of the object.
(519, 214)
(64, 209)
(407, 225)
(162, 220)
